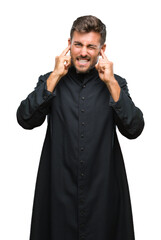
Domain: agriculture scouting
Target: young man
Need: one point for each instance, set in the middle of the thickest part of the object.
(82, 190)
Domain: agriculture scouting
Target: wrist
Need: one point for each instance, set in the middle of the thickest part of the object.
(113, 88)
(55, 76)
(52, 81)
(111, 81)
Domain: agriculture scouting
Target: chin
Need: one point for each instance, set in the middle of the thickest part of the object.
(83, 70)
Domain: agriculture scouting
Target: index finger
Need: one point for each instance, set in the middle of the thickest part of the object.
(103, 54)
(65, 51)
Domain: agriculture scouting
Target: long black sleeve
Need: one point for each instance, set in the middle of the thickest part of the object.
(33, 110)
(128, 117)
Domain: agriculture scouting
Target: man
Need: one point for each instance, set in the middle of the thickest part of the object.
(82, 190)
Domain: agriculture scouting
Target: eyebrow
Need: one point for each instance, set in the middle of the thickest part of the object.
(89, 45)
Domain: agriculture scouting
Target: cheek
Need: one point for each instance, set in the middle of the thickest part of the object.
(74, 52)
(95, 57)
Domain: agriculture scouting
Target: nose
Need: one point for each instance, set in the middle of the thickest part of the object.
(83, 51)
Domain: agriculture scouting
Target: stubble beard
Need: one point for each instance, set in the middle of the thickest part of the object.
(84, 71)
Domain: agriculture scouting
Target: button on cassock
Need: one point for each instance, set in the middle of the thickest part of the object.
(82, 212)
(82, 237)
(81, 200)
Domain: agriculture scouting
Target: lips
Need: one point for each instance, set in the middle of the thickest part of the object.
(82, 61)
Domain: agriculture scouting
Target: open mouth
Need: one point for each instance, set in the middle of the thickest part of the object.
(83, 61)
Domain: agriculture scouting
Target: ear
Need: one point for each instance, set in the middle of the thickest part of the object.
(69, 41)
(103, 47)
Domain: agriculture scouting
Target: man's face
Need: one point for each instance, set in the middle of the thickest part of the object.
(85, 50)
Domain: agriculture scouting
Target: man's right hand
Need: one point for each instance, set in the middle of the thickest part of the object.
(62, 64)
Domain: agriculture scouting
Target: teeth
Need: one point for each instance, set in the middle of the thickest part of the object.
(83, 61)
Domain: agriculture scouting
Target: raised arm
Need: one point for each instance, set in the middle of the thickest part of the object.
(128, 117)
(33, 110)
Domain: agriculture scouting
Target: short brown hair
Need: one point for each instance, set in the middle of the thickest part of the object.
(87, 24)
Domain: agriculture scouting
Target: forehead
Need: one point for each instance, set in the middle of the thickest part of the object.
(87, 38)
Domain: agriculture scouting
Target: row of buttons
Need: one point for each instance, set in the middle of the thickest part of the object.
(82, 211)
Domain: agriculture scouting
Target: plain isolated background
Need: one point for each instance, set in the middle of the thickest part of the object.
(32, 34)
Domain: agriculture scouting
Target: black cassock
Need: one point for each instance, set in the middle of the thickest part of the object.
(81, 190)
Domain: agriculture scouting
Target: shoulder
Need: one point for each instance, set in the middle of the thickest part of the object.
(121, 81)
(45, 76)
(42, 79)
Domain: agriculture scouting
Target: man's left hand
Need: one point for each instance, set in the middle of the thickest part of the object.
(105, 68)
(105, 71)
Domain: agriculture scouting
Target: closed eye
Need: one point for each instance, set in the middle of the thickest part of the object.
(92, 47)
